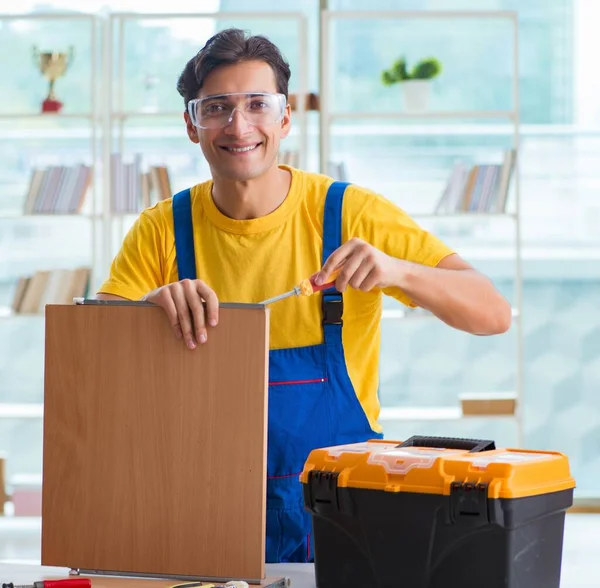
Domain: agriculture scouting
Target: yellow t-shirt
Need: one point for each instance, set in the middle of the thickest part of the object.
(251, 260)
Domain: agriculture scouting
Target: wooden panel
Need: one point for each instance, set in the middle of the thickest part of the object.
(154, 454)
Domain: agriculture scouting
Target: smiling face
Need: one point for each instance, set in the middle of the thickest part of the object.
(240, 151)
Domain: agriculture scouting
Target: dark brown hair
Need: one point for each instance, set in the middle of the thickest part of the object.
(229, 47)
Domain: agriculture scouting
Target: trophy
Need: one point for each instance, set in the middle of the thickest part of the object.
(52, 65)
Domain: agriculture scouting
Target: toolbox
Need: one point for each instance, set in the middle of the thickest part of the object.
(435, 512)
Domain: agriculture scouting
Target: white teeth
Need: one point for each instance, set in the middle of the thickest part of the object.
(241, 149)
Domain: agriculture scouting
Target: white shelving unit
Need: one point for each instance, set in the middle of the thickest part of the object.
(394, 127)
(86, 128)
(90, 120)
(106, 125)
(115, 115)
(427, 413)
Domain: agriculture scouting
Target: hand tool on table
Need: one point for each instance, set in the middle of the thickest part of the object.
(280, 583)
(306, 287)
(232, 584)
(68, 583)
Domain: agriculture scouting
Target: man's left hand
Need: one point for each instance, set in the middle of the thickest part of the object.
(361, 266)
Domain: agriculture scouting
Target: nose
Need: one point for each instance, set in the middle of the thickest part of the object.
(237, 125)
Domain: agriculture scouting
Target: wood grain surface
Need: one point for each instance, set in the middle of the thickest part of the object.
(154, 455)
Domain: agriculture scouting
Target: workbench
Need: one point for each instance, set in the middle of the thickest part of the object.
(301, 576)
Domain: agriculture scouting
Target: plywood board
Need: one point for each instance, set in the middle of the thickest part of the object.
(154, 454)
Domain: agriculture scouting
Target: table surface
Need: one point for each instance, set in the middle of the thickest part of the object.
(300, 575)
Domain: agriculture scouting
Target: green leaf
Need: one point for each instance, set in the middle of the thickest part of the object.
(399, 69)
(426, 69)
(387, 78)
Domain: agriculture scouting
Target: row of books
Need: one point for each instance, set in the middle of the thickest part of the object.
(61, 189)
(291, 158)
(336, 169)
(133, 188)
(58, 189)
(481, 188)
(57, 286)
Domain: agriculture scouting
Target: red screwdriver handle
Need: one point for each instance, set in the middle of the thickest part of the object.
(70, 583)
(322, 286)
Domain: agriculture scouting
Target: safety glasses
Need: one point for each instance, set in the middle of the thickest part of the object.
(257, 108)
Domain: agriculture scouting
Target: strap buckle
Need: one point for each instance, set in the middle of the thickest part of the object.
(332, 309)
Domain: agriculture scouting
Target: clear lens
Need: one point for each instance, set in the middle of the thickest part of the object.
(215, 112)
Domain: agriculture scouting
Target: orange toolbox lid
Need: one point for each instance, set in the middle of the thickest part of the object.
(420, 466)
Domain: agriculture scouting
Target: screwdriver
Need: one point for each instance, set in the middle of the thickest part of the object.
(306, 287)
(69, 583)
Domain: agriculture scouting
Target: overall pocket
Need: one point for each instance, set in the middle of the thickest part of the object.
(299, 421)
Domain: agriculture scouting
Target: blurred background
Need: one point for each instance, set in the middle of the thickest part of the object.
(494, 146)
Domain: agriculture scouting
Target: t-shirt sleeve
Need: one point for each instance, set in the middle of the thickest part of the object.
(378, 221)
(138, 266)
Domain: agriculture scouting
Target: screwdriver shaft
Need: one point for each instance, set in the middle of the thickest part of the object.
(293, 292)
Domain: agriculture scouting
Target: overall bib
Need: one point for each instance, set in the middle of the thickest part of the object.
(312, 402)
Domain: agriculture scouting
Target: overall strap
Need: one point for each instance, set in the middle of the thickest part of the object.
(184, 235)
(332, 303)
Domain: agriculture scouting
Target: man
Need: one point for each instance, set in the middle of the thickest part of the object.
(257, 229)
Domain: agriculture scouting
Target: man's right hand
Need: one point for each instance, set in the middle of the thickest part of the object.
(183, 303)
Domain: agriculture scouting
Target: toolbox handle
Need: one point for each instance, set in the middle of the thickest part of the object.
(473, 445)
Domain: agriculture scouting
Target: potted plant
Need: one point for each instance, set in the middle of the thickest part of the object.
(416, 83)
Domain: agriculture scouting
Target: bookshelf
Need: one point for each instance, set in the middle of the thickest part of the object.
(428, 122)
(120, 119)
(109, 125)
(106, 128)
(56, 191)
(50, 204)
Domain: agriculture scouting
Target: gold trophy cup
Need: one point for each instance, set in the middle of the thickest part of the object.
(52, 65)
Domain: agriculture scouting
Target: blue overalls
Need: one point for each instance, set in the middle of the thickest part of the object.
(312, 402)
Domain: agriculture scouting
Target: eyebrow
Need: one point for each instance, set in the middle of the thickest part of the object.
(253, 93)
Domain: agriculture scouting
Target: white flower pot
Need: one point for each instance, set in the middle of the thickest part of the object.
(416, 94)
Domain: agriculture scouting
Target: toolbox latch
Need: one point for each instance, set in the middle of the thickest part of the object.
(323, 495)
(469, 503)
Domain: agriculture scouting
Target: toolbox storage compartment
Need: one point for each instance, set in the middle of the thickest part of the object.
(436, 513)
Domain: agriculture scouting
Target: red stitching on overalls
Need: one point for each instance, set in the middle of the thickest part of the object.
(291, 382)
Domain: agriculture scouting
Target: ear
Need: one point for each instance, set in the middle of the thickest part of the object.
(286, 122)
(192, 131)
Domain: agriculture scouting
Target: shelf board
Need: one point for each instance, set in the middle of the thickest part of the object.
(142, 114)
(421, 14)
(6, 312)
(463, 215)
(401, 314)
(46, 215)
(21, 411)
(58, 15)
(427, 114)
(433, 413)
(48, 116)
(209, 15)
(443, 413)
(129, 114)
(174, 130)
